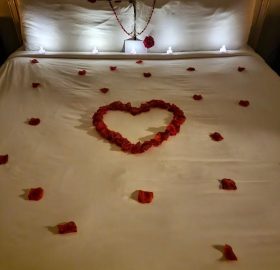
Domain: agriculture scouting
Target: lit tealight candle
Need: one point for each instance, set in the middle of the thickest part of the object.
(169, 51)
(95, 51)
(42, 50)
(223, 49)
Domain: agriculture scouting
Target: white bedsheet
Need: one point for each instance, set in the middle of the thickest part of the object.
(89, 181)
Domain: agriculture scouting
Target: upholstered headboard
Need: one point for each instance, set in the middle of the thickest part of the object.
(258, 20)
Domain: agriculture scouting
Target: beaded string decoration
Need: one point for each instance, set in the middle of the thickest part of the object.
(133, 33)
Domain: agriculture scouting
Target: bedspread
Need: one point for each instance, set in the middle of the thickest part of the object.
(90, 181)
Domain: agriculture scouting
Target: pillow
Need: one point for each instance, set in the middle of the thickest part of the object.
(191, 25)
(74, 25)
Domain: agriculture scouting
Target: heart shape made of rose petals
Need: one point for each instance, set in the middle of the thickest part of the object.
(135, 148)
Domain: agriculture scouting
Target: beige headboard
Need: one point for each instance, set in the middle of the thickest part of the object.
(258, 20)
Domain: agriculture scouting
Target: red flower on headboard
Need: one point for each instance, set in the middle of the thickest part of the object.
(149, 42)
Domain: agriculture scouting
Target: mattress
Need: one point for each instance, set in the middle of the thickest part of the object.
(90, 181)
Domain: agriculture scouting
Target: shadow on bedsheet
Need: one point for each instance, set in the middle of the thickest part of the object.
(221, 249)
(86, 125)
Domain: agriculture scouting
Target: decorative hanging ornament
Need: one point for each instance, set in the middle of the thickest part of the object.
(148, 42)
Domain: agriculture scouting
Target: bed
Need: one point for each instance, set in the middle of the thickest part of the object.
(88, 180)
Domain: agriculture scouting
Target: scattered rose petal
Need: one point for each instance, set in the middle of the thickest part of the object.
(216, 136)
(139, 61)
(92, 1)
(113, 68)
(244, 103)
(104, 90)
(34, 61)
(227, 184)
(228, 253)
(190, 69)
(82, 72)
(145, 196)
(241, 69)
(197, 97)
(149, 42)
(35, 194)
(4, 159)
(36, 85)
(147, 74)
(34, 121)
(67, 227)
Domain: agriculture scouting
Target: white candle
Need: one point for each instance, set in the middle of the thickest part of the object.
(169, 51)
(223, 49)
(95, 51)
(42, 50)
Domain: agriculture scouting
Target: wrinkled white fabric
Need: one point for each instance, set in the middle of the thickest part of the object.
(90, 181)
(74, 25)
(194, 25)
(186, 25)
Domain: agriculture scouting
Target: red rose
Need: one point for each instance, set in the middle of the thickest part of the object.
(113, 68)
(244, 103)
(146, 146)
(139, 61)
(241, 69)
(104, 90)
(172, 130)
(197, 97)
(67, 227)
(149, 42)
(145, 196)
(216, 136)
(34, 121)
(34, 61)
(228, 184)
(35, 85)
(4, 159)
(35, 194)
(147, 74)
(82, 72)
(228, 253)
(190, 69)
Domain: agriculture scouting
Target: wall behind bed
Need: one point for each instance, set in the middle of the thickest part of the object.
(9, 41)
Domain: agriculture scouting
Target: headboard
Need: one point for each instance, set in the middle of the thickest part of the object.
(258, 20)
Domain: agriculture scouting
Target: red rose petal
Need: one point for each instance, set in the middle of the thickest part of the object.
(244, 103)
(36, 85)
(113, 68)
(190, 69)
(228, 253)
(228, 184)
(82, 72)
(35, 194)
(4, 159)
(197, 97)
(216, 136)
(34, 61)
(92, 1)
(147, 74)
(149, 42)
(241, 69)
(139, 61)
(104, 90)
(67, 227)
(145, 196)
(34, 121)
